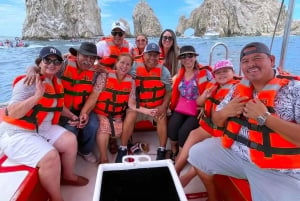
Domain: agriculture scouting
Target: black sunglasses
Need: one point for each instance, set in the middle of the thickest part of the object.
(119, 33)
(188, 55)
(48, 61)
(169, 38)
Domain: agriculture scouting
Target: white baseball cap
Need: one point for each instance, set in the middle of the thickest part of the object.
(119, 25)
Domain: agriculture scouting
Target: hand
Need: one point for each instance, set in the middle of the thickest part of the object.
(31, 73)
(83, 120)
(151, 112)
(99, 68)
(40, 87)
(235, 107)
(208, 92)
(74, 121)
(254, 108)
(161, 112)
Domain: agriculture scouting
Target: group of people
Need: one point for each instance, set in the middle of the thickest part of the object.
(219, 123)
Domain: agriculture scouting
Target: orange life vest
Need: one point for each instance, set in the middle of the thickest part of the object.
(136, 53)
(211, 104)
(77, 85)
(38, 113)
(201, 79)
(113, 100)
(115, 51)
(150, 90)
(268, 149)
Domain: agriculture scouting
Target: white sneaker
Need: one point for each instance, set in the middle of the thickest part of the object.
(90, 157)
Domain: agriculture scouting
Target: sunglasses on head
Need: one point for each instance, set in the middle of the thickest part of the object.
(119, 33)
(188, 55)
(169, 38)
(48, 61)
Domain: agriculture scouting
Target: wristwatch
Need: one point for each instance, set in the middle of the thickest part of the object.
(261, 119)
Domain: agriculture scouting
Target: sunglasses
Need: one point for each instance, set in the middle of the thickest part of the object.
(48, 61)
(141, 40)
(169, 38)
(119, 33)
(189, 55)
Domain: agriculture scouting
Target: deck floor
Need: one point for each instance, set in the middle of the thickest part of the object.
(89, 170)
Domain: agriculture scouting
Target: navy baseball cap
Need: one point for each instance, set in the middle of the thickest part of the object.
(151, 47)
(46, 51)
(259, 48)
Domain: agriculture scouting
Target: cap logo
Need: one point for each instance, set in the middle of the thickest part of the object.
(118, 24)
(52, 50)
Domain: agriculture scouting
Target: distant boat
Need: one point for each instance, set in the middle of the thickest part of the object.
(211, 34)
(10, 43)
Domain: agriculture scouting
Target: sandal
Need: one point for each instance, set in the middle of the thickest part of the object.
(113, 147)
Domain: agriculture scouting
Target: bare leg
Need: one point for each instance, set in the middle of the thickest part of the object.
(174, 146)
(128, 126)
(102, 142)
(187, 177)
(162, 131)
(209, 184)
(194, 137)
(67, 146)
(49, 174)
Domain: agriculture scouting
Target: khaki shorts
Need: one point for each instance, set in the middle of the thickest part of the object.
(105, 127)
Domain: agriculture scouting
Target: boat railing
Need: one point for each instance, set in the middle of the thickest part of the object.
(212, 50)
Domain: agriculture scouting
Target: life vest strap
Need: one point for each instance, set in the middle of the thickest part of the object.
(260, 147)
(73, 93)
(73, 82)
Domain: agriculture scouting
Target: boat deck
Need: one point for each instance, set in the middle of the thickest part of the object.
(71, 193)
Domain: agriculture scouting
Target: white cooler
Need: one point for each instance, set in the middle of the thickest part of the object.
(139, 180)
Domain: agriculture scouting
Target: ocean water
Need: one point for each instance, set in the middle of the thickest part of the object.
(14, 61)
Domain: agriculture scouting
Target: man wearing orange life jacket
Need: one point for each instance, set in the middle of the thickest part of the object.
(78, 79)
(153, 91)
(261, 140)
(111, 47)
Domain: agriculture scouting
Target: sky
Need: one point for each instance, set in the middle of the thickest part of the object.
(13, 13)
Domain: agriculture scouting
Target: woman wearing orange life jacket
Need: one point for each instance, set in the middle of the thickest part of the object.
(215, 91)
(111, 96)
(189, 83)
(141, 40)
(29, 131)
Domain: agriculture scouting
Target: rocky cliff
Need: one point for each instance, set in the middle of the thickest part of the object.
(233, 18)
(145, 21)
(61, 19)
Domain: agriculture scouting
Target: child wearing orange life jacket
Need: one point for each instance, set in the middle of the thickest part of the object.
(215, 91)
